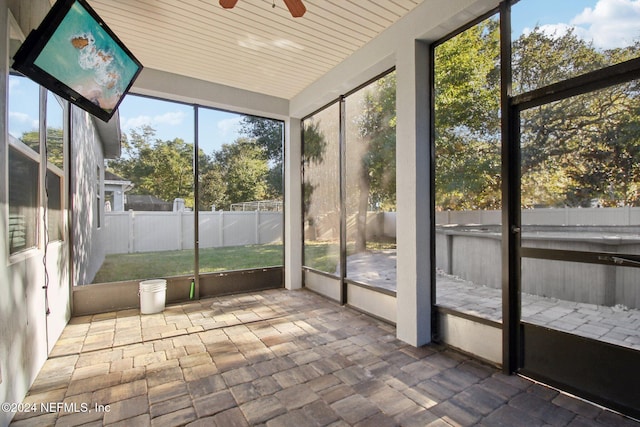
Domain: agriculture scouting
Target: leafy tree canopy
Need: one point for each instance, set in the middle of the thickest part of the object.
(248, 169)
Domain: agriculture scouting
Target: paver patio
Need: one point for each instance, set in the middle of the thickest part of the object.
(278, 358)
(616, 325)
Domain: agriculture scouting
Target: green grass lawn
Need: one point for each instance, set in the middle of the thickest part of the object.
(147, 265)
(321, 256)
(325, 256)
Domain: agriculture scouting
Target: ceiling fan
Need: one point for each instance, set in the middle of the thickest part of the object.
(296, 8)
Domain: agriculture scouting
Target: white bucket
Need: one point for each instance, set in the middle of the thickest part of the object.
(153, 294)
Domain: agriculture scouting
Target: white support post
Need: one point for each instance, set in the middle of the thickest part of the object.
(293, 204)
(257, 226)
(132, 242)
(413, 176)
(180, 231)
(221, 229)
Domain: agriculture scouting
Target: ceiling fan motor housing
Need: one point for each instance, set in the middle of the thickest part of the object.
(296, 7)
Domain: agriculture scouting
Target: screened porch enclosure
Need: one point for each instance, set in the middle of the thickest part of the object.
(448, 175)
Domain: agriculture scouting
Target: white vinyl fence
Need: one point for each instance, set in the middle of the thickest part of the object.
(625, 215)
(140, 231)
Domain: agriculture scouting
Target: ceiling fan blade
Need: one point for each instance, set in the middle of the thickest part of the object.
(228, 4)
(296, 7)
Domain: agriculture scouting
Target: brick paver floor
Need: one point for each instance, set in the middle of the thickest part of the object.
(617, 325)
(277, 358)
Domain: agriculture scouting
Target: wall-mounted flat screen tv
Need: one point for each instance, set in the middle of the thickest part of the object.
(74, 54)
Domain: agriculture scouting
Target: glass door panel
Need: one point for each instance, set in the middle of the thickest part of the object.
(321, 191)
(580, 176)
(240, 200)
(146, 196)
(580, 244)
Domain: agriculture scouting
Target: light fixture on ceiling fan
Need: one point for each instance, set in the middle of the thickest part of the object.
(296, 8)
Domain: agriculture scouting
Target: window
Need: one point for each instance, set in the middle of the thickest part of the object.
(240, 220)
(370, 175)
(24, 163)
(23, 201)
(109, 200)
(239, 198)
(468, 198)
(98, 207)
(153, 236)
(54, 207)
(547, 50)
(55, 168)
(321, 190)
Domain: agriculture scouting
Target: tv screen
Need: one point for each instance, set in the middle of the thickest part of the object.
(74, 54)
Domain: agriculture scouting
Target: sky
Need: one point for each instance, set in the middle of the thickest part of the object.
(608, 23)
(173, 120)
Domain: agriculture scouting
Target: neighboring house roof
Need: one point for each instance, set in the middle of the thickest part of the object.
(110, 176)
(145, 202)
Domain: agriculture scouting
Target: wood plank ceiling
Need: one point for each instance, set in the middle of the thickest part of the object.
(255, 46)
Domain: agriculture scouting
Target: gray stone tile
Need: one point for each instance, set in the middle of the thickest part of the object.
(576, 406)
(168, 406)
(295, 418)
(354, 408)
(296, 396)
(162, 376)
(378, 420)
(434, 390)
(321, 412)
(214, 403)
(246, 392)
(229, 418)
(508, 416)
(266, 385)
(167, 391)
(140, 421)
(390, 401)
(419, 418)
(611, 419)
(311, 362)
(476, 400)
(537, 407)
(335, 393)
(125, 409)
(262, 409)
(78, 419)
(243, 374)
(206, 385)
(177, 418)
(452, 412)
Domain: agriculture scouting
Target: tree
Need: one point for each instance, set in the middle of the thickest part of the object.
(467, 123)
(213, 189)
(160, 168)
(268, 134)
(243, 166)
(376, 124)
(54, 144)
(314, 146)
(172, 176)
(573, 151)
(582, 148)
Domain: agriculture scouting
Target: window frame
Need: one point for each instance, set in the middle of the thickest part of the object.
(55, 169)
(37, 158)
(44, 166)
